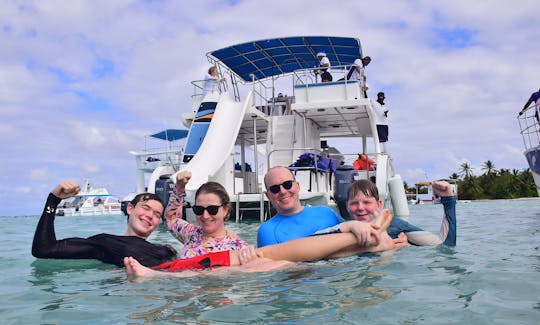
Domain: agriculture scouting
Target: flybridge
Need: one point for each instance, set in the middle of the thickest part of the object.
(266, 58)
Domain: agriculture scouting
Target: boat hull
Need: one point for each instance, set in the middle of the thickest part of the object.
(533, 158)
(90, 211)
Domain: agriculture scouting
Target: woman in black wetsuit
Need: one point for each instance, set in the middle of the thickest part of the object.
(144, 214)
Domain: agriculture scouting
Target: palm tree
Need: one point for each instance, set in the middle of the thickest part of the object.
(466, 170)
(489, 167)
(454, 176)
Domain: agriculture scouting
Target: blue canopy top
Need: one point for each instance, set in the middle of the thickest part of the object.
(270, 57)
(170, 134)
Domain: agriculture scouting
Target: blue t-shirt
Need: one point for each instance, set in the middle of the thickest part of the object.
(282, 228)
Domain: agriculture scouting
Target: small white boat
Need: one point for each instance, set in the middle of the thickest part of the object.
(90, 202)
(430, 197)
(530, 131)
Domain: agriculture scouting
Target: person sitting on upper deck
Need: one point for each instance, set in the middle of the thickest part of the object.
(324, 64)
(211, 80)
(326, 77)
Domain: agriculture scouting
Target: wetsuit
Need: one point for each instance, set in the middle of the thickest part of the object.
(104, 247)
(416, 235)
(420, 237)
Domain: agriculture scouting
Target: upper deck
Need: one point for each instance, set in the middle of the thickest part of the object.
(285, 65)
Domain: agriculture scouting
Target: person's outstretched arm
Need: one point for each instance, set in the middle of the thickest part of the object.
(177, 226)
(448, 232)
(332, 245)
(45, 244)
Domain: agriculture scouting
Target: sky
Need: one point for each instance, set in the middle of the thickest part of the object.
(81, 82)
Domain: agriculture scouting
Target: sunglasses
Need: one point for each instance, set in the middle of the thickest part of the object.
(212, 209)
(276, 188)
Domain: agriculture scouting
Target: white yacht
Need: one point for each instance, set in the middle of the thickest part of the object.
(90, 202)
(271, 111)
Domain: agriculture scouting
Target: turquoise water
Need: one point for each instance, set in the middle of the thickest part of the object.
(491, 277)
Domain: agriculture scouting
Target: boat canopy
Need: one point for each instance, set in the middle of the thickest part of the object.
(277, 56)
(170, 134)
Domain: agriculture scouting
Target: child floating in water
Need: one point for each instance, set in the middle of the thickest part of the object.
(363, 204)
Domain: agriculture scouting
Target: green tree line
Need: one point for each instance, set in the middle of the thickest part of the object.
(493, 183)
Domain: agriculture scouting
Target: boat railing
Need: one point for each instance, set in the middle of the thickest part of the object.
(149, 160)
(198, 89)
(310, 89)
(529, 125)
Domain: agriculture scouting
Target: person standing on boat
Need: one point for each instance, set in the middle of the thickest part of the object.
(212, 209)
(211, 80)
(380, 114)
(293, 220)
(324, 65)
(535, 98)
(358, 72)
(144, 214)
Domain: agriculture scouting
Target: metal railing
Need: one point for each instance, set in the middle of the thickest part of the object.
(529, 125)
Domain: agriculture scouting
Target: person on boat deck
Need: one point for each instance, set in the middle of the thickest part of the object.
(293, 220)
(144, 214)
(363, 204)
(535, 98)
(380, 112)
(358, 72)
(212, 207)
(324, 64)
(277, 256)
(326, 77)
(211, 80)
(363, 162)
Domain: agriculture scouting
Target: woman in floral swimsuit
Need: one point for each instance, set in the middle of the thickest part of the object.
(212, 207)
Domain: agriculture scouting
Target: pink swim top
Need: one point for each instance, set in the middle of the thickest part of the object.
(192, 236)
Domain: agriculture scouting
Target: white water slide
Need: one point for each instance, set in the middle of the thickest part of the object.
(219, 141)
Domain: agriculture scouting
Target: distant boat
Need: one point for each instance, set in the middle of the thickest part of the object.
(90, 202)
(530, 132)
(430, 197)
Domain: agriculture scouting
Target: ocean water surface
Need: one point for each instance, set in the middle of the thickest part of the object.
(492, 276)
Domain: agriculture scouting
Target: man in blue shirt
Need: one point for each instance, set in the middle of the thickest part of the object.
(294, 221)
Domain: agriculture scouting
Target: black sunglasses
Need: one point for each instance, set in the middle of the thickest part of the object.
(212, 209)
(276, 188)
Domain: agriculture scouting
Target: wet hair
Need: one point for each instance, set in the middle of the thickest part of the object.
(368, 188)
(142, 197)
(220, 191)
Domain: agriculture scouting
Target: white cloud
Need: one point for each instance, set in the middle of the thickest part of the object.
(38, 174)
(447, 105)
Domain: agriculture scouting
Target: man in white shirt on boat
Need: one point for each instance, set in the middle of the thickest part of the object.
(324, 64)
(380, 114)
(358, 72)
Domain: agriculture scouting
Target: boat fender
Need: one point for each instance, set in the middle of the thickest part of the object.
(398, 197)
